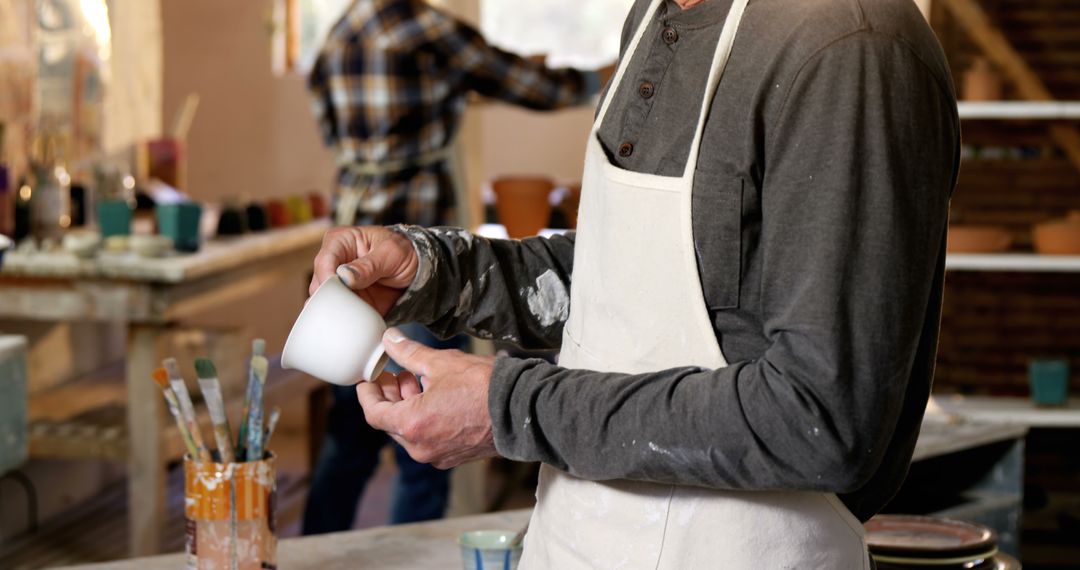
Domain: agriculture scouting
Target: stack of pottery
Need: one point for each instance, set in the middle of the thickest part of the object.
(522, 204)
(978, 239)
(908, 542)
(1059, 237)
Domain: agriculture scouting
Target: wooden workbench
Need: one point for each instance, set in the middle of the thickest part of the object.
(151, 296)
(430, 545)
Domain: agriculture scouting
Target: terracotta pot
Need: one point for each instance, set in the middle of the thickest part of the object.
(1058, 237)
(979, 239)
(522, 204)
(982, 82)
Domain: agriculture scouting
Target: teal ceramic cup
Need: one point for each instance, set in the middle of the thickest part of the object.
(1049, 381)
(489, 550)
(181, 223)
(114, 217)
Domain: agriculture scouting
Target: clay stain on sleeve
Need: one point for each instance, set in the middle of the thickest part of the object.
(464, 300)
(548, 301)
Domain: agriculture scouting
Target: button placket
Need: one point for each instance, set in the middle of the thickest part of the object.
(639, 99)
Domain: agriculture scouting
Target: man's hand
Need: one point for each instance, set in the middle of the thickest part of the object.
(373, 261)
(447, 422)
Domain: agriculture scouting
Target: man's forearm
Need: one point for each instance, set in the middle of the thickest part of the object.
(508, 290)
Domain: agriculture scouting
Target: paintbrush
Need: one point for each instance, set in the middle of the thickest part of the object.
(186, 408)
(211, 391)
(258, 347)
(259, 369)
(161, 378)
(271, 424)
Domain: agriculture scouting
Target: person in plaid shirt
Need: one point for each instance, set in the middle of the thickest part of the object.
(389, 89)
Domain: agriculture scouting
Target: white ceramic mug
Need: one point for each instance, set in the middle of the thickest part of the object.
(337, 337)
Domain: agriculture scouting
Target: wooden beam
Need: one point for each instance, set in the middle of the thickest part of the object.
(992, 41)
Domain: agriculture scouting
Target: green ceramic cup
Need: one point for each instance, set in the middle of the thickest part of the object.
(1049, 380)
(181, 223)
(114, 217)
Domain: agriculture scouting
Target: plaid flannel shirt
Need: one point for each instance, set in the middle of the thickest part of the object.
(389, 86)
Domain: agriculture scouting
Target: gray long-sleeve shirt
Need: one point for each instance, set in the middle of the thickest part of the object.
(820, 204)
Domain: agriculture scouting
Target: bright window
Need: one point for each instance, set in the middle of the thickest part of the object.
(570, 32)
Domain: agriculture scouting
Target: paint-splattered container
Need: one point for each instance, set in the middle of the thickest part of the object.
(230, 510)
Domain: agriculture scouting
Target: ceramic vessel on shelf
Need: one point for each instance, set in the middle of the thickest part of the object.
(258, 219)
(150, 245)
(982, 82)
(279, 214)
(320, 208)
(1058, 237)
(522, 204)
(978, 239)
(82, 243)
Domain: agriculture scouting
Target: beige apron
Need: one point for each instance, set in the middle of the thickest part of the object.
(636, 305)
(350, 199)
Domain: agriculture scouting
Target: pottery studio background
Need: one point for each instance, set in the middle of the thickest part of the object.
(209, 97)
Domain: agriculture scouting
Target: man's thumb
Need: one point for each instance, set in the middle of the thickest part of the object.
(358, 274)
(409, 354)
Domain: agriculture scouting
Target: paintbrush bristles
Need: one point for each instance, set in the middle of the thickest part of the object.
(261, 366)
(173, 368)
(205, 368)
(161, 378)
(258, 347)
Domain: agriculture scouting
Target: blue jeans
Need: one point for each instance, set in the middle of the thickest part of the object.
(350, 455)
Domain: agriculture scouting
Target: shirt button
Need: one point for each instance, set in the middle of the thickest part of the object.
(626, 149)
(646, 90)
(670, 35)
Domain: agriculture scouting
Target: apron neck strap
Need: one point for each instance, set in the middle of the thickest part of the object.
(720, 59)
(719, 62)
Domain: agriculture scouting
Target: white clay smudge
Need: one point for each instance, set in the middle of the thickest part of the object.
(548, 302)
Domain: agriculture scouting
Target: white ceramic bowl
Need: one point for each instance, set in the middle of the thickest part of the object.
(337, 337)
(82, 243)
(150, 245)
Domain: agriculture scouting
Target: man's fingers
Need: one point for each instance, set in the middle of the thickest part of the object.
(409, 385)
(409, 354)
(390, 387)
(378, 410)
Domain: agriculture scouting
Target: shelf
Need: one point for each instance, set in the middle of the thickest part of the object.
(1026, 262)
(1021, 110)
(1010, 411)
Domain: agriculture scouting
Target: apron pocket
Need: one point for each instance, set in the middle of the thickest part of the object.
(717, 222)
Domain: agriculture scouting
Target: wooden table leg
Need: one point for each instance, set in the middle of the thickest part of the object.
(146, 469)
